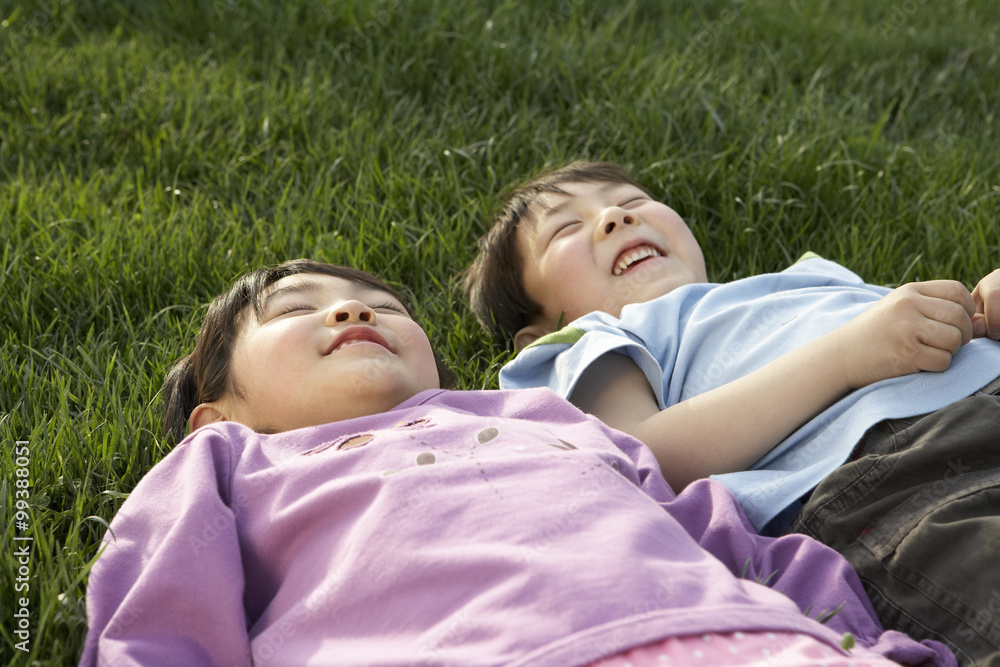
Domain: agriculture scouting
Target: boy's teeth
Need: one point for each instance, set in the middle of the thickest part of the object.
(631, 258)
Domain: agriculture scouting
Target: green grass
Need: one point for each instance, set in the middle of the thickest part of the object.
(152, 151)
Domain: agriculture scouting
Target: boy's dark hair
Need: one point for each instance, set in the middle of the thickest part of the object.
(494, 283)
(205, 375)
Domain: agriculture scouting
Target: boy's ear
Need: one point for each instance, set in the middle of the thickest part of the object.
(205, 413)
(528, 335)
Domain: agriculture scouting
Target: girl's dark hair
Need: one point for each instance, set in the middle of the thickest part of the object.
(494, 283)
(205, 375)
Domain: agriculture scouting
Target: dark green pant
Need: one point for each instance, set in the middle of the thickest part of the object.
(917, 512)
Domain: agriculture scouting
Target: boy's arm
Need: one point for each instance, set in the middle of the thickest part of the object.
(916, 327)
(987, 298)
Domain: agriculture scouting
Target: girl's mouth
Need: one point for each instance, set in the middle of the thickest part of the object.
(356, 335)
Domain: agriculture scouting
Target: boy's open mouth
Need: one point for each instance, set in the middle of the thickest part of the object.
(355, 335)
(632, 256)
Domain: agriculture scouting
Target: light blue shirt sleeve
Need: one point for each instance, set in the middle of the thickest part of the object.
(700, 337)
(558, 360)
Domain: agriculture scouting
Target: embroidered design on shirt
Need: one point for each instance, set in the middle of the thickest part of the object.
(423, 459)
(356, 441)
(565, 445)
(423, 422)
(486, 435)
(344, 443)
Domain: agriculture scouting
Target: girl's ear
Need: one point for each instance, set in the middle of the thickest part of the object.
(205, 413)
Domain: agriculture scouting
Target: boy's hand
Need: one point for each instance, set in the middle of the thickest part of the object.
(986, 320)
(916, 327)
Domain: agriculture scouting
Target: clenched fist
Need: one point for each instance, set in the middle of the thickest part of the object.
(916, 327)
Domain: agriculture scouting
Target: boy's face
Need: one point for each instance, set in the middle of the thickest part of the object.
(325, 349)
(600, 247)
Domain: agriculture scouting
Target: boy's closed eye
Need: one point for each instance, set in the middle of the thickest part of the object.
(564, 228)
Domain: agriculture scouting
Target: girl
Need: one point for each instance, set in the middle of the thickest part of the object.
(334, 505)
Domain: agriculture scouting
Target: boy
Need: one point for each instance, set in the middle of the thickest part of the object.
(800, 390)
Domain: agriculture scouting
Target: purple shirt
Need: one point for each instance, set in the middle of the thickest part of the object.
(461, 528)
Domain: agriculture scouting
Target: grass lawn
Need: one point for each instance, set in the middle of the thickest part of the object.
(152, 151)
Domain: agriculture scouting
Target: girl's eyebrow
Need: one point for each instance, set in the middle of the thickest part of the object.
(308, 285)
(300, 287)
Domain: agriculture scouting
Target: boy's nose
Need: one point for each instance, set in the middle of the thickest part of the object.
(614, 219)
(351, 311)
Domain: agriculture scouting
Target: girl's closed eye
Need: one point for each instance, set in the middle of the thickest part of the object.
(388, 305)
(292, 307)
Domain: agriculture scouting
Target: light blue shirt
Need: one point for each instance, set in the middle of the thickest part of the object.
(699, 337)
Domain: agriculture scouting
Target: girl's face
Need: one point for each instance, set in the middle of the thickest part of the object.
(324, 349)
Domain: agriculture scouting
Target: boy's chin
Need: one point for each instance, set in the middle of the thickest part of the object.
(654, 289)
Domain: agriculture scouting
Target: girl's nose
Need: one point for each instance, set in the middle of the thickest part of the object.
(351, 311)
(614, 218)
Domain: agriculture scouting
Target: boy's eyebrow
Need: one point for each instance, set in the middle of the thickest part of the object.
(557, 208)
(567, 199)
